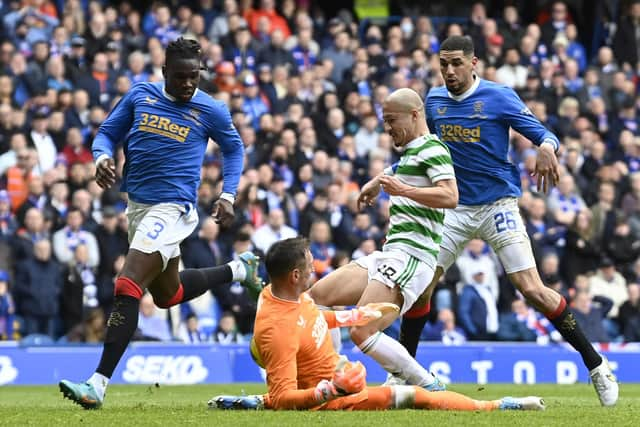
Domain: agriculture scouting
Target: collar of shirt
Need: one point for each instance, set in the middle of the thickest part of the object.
(468, 92)
(172, 98)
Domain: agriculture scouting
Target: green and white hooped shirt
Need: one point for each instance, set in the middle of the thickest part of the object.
(413, 227)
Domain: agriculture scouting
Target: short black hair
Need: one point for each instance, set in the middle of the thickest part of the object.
(285, 256)
(182, 48)
(463, 43)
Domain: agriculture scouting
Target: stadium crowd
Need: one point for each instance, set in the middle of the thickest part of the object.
(305, 93)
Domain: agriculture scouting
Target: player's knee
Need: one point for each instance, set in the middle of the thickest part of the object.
(360, 334)
(528, 283)
(162, 304)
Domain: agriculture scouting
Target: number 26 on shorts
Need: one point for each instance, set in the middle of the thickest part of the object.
(157, 228)
(505, 221)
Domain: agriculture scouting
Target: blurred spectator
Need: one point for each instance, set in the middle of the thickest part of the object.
(625, 42)
(544, 234)
(582, 251)
(604, 212)
(512, 73)
(339, 55)
(523, 323)
(560, 18)
(316, 210)
(321, 247)
(90, 330)
(151, 324)
(7, 308)
(99, 82)
(80, 292)
(220, 25)
(68, 238)
(8, 223)
(609, 283)
(511, 28)
(590, 314)
(207, 250)
(274, 230)
(32, 231)
(36, 198)
(575, 49)
(17, 142)
(622, 247)
(16, 178)
(241, 52)
(565, 202)
(445, 329)
(74, 150)
(478, 256)
(37, 289)
(629, 314)
(477, 308)
(30, 22)
(226, 332)
(190, 332)
(254, 105)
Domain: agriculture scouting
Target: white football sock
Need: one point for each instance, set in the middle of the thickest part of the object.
(99, 383)
(237, 270)
(394, 358)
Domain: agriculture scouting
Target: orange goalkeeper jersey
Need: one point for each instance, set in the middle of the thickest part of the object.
(294, 343)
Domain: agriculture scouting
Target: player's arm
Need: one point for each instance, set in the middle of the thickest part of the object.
(111, 131)
(439, 168)
(224, 133)
(430, 123)
(358, 316)
(371, 189)
(519, 117)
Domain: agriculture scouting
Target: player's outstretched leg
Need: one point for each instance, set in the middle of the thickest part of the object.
(452, 401)
(194, 282)
(555, 308)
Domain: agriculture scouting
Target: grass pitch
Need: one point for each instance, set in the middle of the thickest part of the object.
(128, 405)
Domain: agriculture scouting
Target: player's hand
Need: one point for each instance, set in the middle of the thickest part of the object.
(546, 168)
(106, 173)
(369, 193)
(223, 213)
(392, 185)
(349, 377)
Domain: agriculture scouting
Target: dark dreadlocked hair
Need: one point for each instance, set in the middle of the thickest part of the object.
(183, 49)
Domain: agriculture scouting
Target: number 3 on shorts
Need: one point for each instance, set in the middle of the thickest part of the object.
(157, 228)
(505, 221)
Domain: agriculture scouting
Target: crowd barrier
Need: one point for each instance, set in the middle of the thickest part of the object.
(148, 363)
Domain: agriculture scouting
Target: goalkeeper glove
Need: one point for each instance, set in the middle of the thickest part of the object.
(348, 378)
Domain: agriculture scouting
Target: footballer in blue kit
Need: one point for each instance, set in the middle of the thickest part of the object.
(164, 128)
(473, 117)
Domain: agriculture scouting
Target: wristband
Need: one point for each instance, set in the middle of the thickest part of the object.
(228, 197)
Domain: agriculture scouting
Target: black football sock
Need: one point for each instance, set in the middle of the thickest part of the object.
(410, 331)
(197, 281)
(565, 322)
(120, 328)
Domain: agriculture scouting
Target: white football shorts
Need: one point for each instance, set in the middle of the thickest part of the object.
(499, 224)
(160, 228)
(396, 268)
